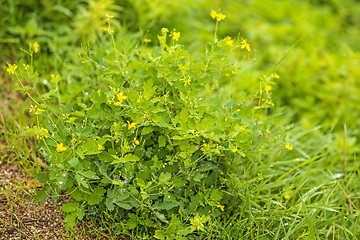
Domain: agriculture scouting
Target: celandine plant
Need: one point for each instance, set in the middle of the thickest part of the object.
(149, 141)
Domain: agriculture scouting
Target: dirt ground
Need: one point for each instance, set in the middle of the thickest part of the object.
(21, 219)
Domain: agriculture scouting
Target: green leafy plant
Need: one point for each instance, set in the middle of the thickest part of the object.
(147, 136)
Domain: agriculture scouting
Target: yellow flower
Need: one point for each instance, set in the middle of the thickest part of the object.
(221, 207)
(131, 125)
(289, 147)
(275, 75)
(287, 196)
(100, 147)
(213, 14)
(187, 81)
(267, 88)
(176, 36)
(228, 41)
(36, 47)
(11, 68)
(136, 141)
(234, 150)
(121, 97)
(244, 44)
(220, 17)
(60, 147)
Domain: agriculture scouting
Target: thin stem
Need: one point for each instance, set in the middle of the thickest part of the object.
(216, 27)
(26, 92)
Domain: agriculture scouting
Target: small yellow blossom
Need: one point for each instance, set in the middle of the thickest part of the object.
(228, 41)
(131, 125)
(121, 97)
(274, 75)
(213, 14)
(287, 196)
(267, 131)
(60, 147)
(289, 147)
(146, 40)
(36, 47)
(136, 141)
(43, 133)
(221, 207)
(187, 81)
(11, 68)
(176, 36)
(267, 89)
(221, 173)
(100, 147)
(234, 150)
(244, 44)
(219, 16)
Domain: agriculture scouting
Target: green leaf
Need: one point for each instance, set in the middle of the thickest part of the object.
(90, 147)
(70, 207)
(81, 213)
(133, 222)
(110, 204)
(89, 174)
(216, 195)
(124, 205)
(164, 177)
(79, 114)
(96, 196)
(162, 141)
(74, 162)
(98, 97)
(43, 178)
(161, 217)
(147, 130)
(149, 89)
(125, 159)
(166, 205)
(81, 181)
(41, 196)
(160, 234)
(70, 220)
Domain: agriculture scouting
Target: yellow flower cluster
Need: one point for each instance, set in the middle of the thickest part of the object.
(36, 47)
(229, 41)
(43, 133)
(267, 89)
(217, 15)
(176, 36)
(245, 45)
(289, 147)
(11, 68)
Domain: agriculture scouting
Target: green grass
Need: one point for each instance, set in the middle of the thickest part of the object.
(312, 45)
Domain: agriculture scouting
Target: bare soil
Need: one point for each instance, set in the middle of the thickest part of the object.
(20, 218)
